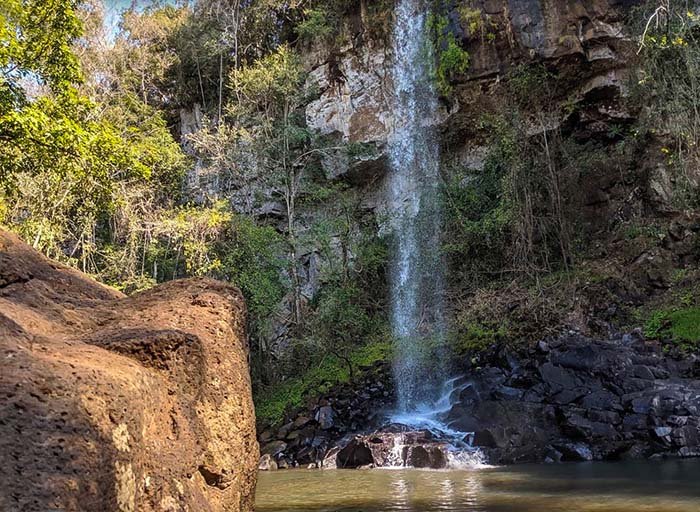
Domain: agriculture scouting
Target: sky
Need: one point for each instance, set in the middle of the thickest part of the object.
(114, 8)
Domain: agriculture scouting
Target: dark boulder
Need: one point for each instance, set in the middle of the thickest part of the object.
(425, 457)
(356, 454)
(588, 400)
(325, 417)
(574, 452)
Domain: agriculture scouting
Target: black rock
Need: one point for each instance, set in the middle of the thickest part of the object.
(575, 452)
(355, 455)
(325, 416)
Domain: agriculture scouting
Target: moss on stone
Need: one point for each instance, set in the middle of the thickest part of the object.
(274, 402)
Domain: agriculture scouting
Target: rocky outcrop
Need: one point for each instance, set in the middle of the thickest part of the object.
(310, 432)
(569, 398)
(585, 41)
(394, 446)
(574, 398)
(121, 403)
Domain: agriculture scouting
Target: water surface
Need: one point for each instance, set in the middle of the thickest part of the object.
(668, 486)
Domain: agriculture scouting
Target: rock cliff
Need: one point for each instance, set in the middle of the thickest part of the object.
(615, 185)
(584, 47)
(121, 403)
(585, 42)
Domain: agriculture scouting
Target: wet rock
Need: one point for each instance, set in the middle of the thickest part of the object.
(635, 422)
(507, 393)
(611, 400)
(274, 448)
(557, 377)
(325, 417)
(300, 422)
(575, 452)
(425, 457)
(634, 451)
(687, 436)
(285, 430)
(568, 396)
(663, 432)
(552, 455)
(267, 463)
(357, 453)
(602, 400)
(484, 438)
(643, 372)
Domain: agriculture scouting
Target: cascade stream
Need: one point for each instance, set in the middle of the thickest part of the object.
(416, 275)
(421, 371)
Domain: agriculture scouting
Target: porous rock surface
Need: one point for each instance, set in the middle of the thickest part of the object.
(118, 403)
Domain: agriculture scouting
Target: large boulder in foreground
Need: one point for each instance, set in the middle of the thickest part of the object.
(118, 403)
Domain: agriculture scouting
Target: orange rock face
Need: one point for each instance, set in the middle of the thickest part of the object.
(115, 403)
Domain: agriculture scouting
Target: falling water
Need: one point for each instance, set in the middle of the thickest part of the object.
(416, 278)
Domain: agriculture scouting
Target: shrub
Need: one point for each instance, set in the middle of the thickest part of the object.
(315, 25)
(272, 403)
(451, 58)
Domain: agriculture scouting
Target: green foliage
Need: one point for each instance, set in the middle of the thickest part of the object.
(473, 338)
(655, 324)
(668, 84)
(530, 85)
(268, 90)
(479, 210)
(680, 325)
(634, 231)
(339, 316)
(35, 44)
(452, 59)
(685, 325)
(347, 311)
(470, 18)
(143, 57)
(252, 258)
(68, 163)
(271, 404)
(315, 25)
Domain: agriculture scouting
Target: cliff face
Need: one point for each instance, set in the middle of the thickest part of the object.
(583, 42)
(115, 403)
(581, 45)
(582, 126)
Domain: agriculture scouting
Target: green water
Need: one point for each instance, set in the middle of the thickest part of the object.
(669, 486)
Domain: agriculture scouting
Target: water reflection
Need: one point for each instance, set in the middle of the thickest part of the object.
(400, 496)
(592, 487)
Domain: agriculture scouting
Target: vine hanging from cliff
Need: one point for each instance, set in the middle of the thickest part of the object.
(451, 60)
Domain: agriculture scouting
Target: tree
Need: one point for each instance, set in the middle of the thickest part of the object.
(67, 159)
(268, 98)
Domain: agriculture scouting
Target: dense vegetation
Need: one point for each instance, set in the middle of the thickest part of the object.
(178, 147)
(94, 161)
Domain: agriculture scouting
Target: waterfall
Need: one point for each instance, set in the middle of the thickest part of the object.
(416, 270)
